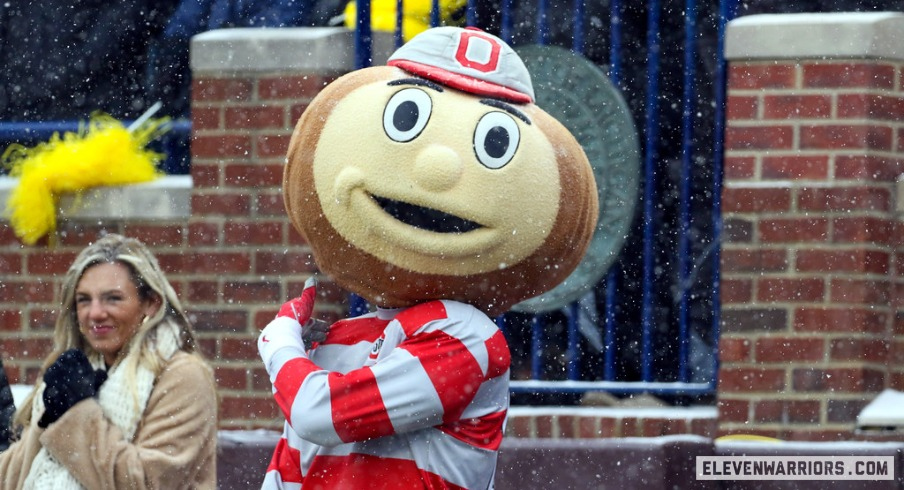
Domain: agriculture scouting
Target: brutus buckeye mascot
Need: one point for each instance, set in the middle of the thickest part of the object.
(439, 192)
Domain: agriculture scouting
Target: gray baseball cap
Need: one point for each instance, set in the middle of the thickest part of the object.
(466, 59)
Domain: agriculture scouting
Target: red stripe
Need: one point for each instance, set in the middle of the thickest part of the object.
(452, 369)
(357, 406)
(306, 303)
(365, 472)
(352, 331)
(419, 315)
(288, 382)
(483, 432)
(286, 461)
(498, 354)
(436, 482)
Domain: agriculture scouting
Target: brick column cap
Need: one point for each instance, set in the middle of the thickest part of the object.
(253, 49)
(873, 35)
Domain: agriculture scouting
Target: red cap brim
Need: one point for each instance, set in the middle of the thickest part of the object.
(462, 82)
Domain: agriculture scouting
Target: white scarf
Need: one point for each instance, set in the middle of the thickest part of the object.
(122, 405)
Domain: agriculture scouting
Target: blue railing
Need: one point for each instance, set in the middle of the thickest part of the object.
(659, 336)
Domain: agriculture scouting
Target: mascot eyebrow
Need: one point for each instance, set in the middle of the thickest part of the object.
(420, 82)
(507, 108)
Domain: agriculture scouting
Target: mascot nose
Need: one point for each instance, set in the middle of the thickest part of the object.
(437, 168)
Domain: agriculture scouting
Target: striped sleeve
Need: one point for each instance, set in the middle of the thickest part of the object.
(428, 379)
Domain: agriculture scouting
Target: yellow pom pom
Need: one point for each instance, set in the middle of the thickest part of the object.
(103, 152)
(415, 15)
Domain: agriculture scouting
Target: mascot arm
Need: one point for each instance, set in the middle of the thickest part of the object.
(430, 379)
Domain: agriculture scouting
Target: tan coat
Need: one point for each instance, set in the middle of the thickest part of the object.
(175, 444)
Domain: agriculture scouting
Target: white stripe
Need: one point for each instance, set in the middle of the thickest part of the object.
(392, 447)
(457, 462)
(312, 414)
(341, 358)
(464, 321)
(280, 357)
(272, 481)
(307, 451)
(393, 335)
(408, 393)
(491, 397)
(471, 327)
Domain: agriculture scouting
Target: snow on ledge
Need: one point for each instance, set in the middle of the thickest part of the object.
(252, 437)
(823, 447)
(167, 197)
(699, 412)
(884, 411)
(282, 49)
(837, 35)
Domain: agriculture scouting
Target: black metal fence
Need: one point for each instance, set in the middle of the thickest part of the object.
(648, 322)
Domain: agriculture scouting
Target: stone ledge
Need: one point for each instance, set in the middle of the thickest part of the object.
(248, 49)
(586, 422)
(840, 35)
(667, 412)
(168, 197)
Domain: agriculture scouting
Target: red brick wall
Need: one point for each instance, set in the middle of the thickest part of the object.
(237, 258)
(591, 423)
(233, 262)
(813, 254)
(244, 257)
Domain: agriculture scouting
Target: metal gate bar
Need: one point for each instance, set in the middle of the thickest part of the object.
(606, 376)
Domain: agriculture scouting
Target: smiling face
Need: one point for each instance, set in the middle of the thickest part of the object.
(408, 191)
(109, 308)
(416, 195)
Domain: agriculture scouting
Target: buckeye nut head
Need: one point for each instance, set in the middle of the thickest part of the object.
(409, 191)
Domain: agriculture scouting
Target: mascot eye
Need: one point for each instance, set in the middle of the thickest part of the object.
(496, 139)
(407, 114)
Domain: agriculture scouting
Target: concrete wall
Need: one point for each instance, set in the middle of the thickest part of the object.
(624, 463)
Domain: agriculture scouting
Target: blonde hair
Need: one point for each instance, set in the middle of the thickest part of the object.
(151, 283)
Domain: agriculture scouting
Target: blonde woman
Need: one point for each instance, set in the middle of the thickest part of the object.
(124, 400)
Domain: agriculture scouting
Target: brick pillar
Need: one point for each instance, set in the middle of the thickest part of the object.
(249, 88)
(812, 261)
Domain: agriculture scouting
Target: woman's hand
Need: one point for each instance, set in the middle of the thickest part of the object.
(68, 381)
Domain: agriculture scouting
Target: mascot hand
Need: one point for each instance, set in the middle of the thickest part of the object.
(300, 308)
(282, 339)
(314, 331)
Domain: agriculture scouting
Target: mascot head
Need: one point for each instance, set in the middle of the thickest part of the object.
(437, 177)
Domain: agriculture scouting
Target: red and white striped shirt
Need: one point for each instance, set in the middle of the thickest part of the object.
(408, 398)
